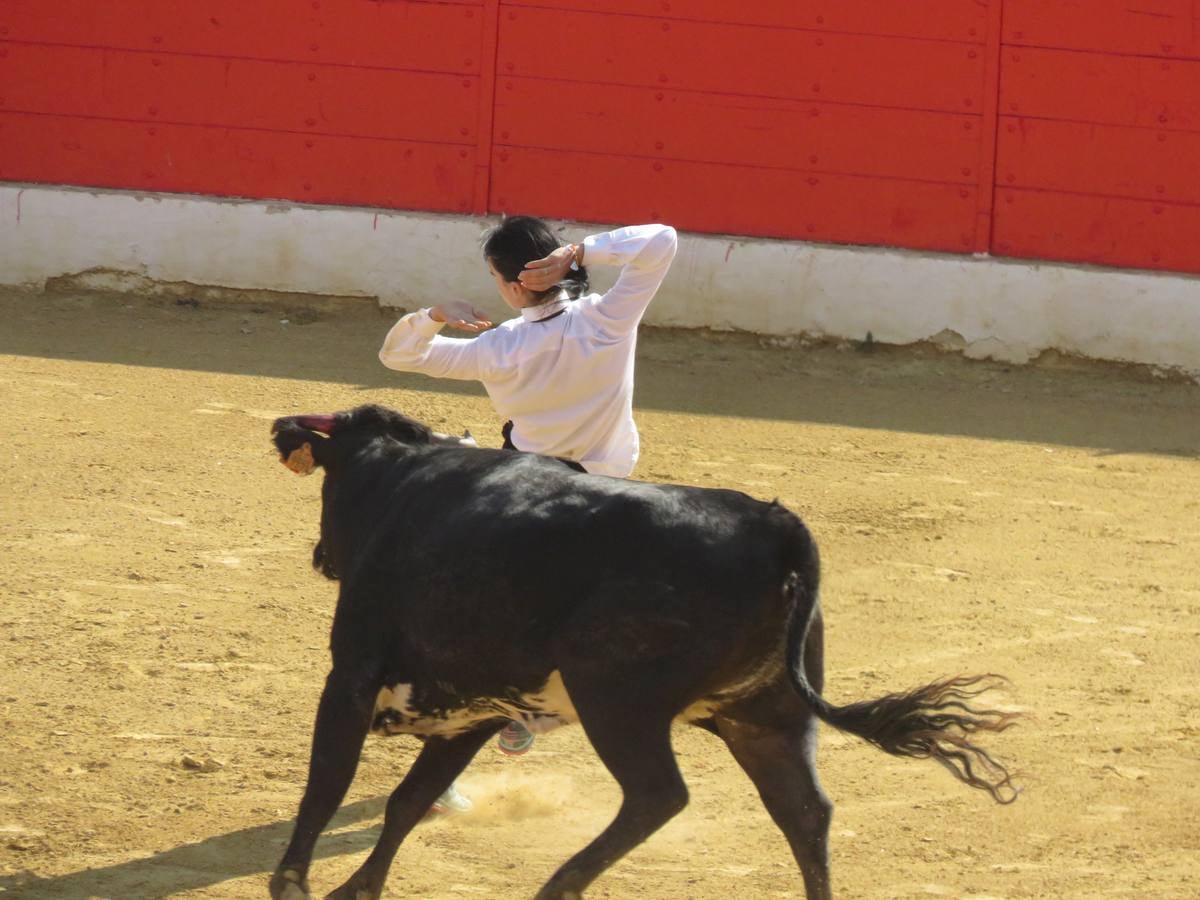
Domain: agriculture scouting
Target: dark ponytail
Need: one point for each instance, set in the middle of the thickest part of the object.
(522, 239)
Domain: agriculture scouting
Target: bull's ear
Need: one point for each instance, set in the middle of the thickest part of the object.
(300, 448)
(301, 460)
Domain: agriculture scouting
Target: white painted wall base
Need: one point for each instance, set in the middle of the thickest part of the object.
(985, 307)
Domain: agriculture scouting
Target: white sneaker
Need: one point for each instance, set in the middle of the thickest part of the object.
(452, 801)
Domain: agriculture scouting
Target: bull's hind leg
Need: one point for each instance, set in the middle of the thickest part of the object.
(637, 751)
(773, 736)
(440, 761)
(782, 765)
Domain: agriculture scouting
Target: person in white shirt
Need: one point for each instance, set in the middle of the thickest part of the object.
(561, 372)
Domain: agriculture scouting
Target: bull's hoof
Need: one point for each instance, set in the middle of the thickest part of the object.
(551, 893)
(289, 884)
(355, 889)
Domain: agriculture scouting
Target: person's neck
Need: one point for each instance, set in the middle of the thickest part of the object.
(531, 300)
(548, 307)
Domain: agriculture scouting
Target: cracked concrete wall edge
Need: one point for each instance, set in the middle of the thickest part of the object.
(1008, 310)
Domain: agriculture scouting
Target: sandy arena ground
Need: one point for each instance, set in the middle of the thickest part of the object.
(158, 606)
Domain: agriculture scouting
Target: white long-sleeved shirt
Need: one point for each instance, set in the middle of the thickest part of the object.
(565, 382)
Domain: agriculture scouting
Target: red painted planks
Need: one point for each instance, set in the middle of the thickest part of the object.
(486, 107)
(1100, 159)
(1104, 231)
(735, 59)
(734, 200)
(951, 20)
(1168, 28)
(782, 134)
(986, 167)
(1092, 87)
(855, 121)
(238, 93)
(441, 37)
(218, 161)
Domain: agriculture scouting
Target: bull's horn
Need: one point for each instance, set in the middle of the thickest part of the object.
(323, 423)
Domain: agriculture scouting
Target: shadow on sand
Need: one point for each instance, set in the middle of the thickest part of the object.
(896, 389)
(195, 866)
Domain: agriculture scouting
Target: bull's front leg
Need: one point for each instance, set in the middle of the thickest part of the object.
(343, 720)
(441, 761)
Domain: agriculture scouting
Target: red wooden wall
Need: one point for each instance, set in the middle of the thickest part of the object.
(1098, 158)
(838, 120)
(326, 101)
(856, 121)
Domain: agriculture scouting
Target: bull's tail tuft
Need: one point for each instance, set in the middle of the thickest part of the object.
(936, 721)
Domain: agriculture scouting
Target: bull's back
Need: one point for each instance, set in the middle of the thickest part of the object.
(531, 517)
(489, 550)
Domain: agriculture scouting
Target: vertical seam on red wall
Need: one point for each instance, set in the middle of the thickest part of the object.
(990, 126)
(489, 50)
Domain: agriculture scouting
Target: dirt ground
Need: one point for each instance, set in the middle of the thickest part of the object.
(157, 606)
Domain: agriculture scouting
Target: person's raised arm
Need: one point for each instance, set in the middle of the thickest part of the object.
(414, 345)
(644, 253)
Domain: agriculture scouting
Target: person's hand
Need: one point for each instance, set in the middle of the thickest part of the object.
(543, 274)
(461, 315)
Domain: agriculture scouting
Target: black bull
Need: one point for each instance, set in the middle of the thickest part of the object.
(480, 585)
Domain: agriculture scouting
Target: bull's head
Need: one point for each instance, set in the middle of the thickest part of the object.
(333, 441)
(305, 442)
(296, 437)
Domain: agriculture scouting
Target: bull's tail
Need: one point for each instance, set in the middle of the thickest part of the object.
(931, 722)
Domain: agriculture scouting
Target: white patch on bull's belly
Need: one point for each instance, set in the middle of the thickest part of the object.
(540, 711)
(701, 709)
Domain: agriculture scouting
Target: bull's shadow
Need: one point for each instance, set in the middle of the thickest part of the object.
(202, 864)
